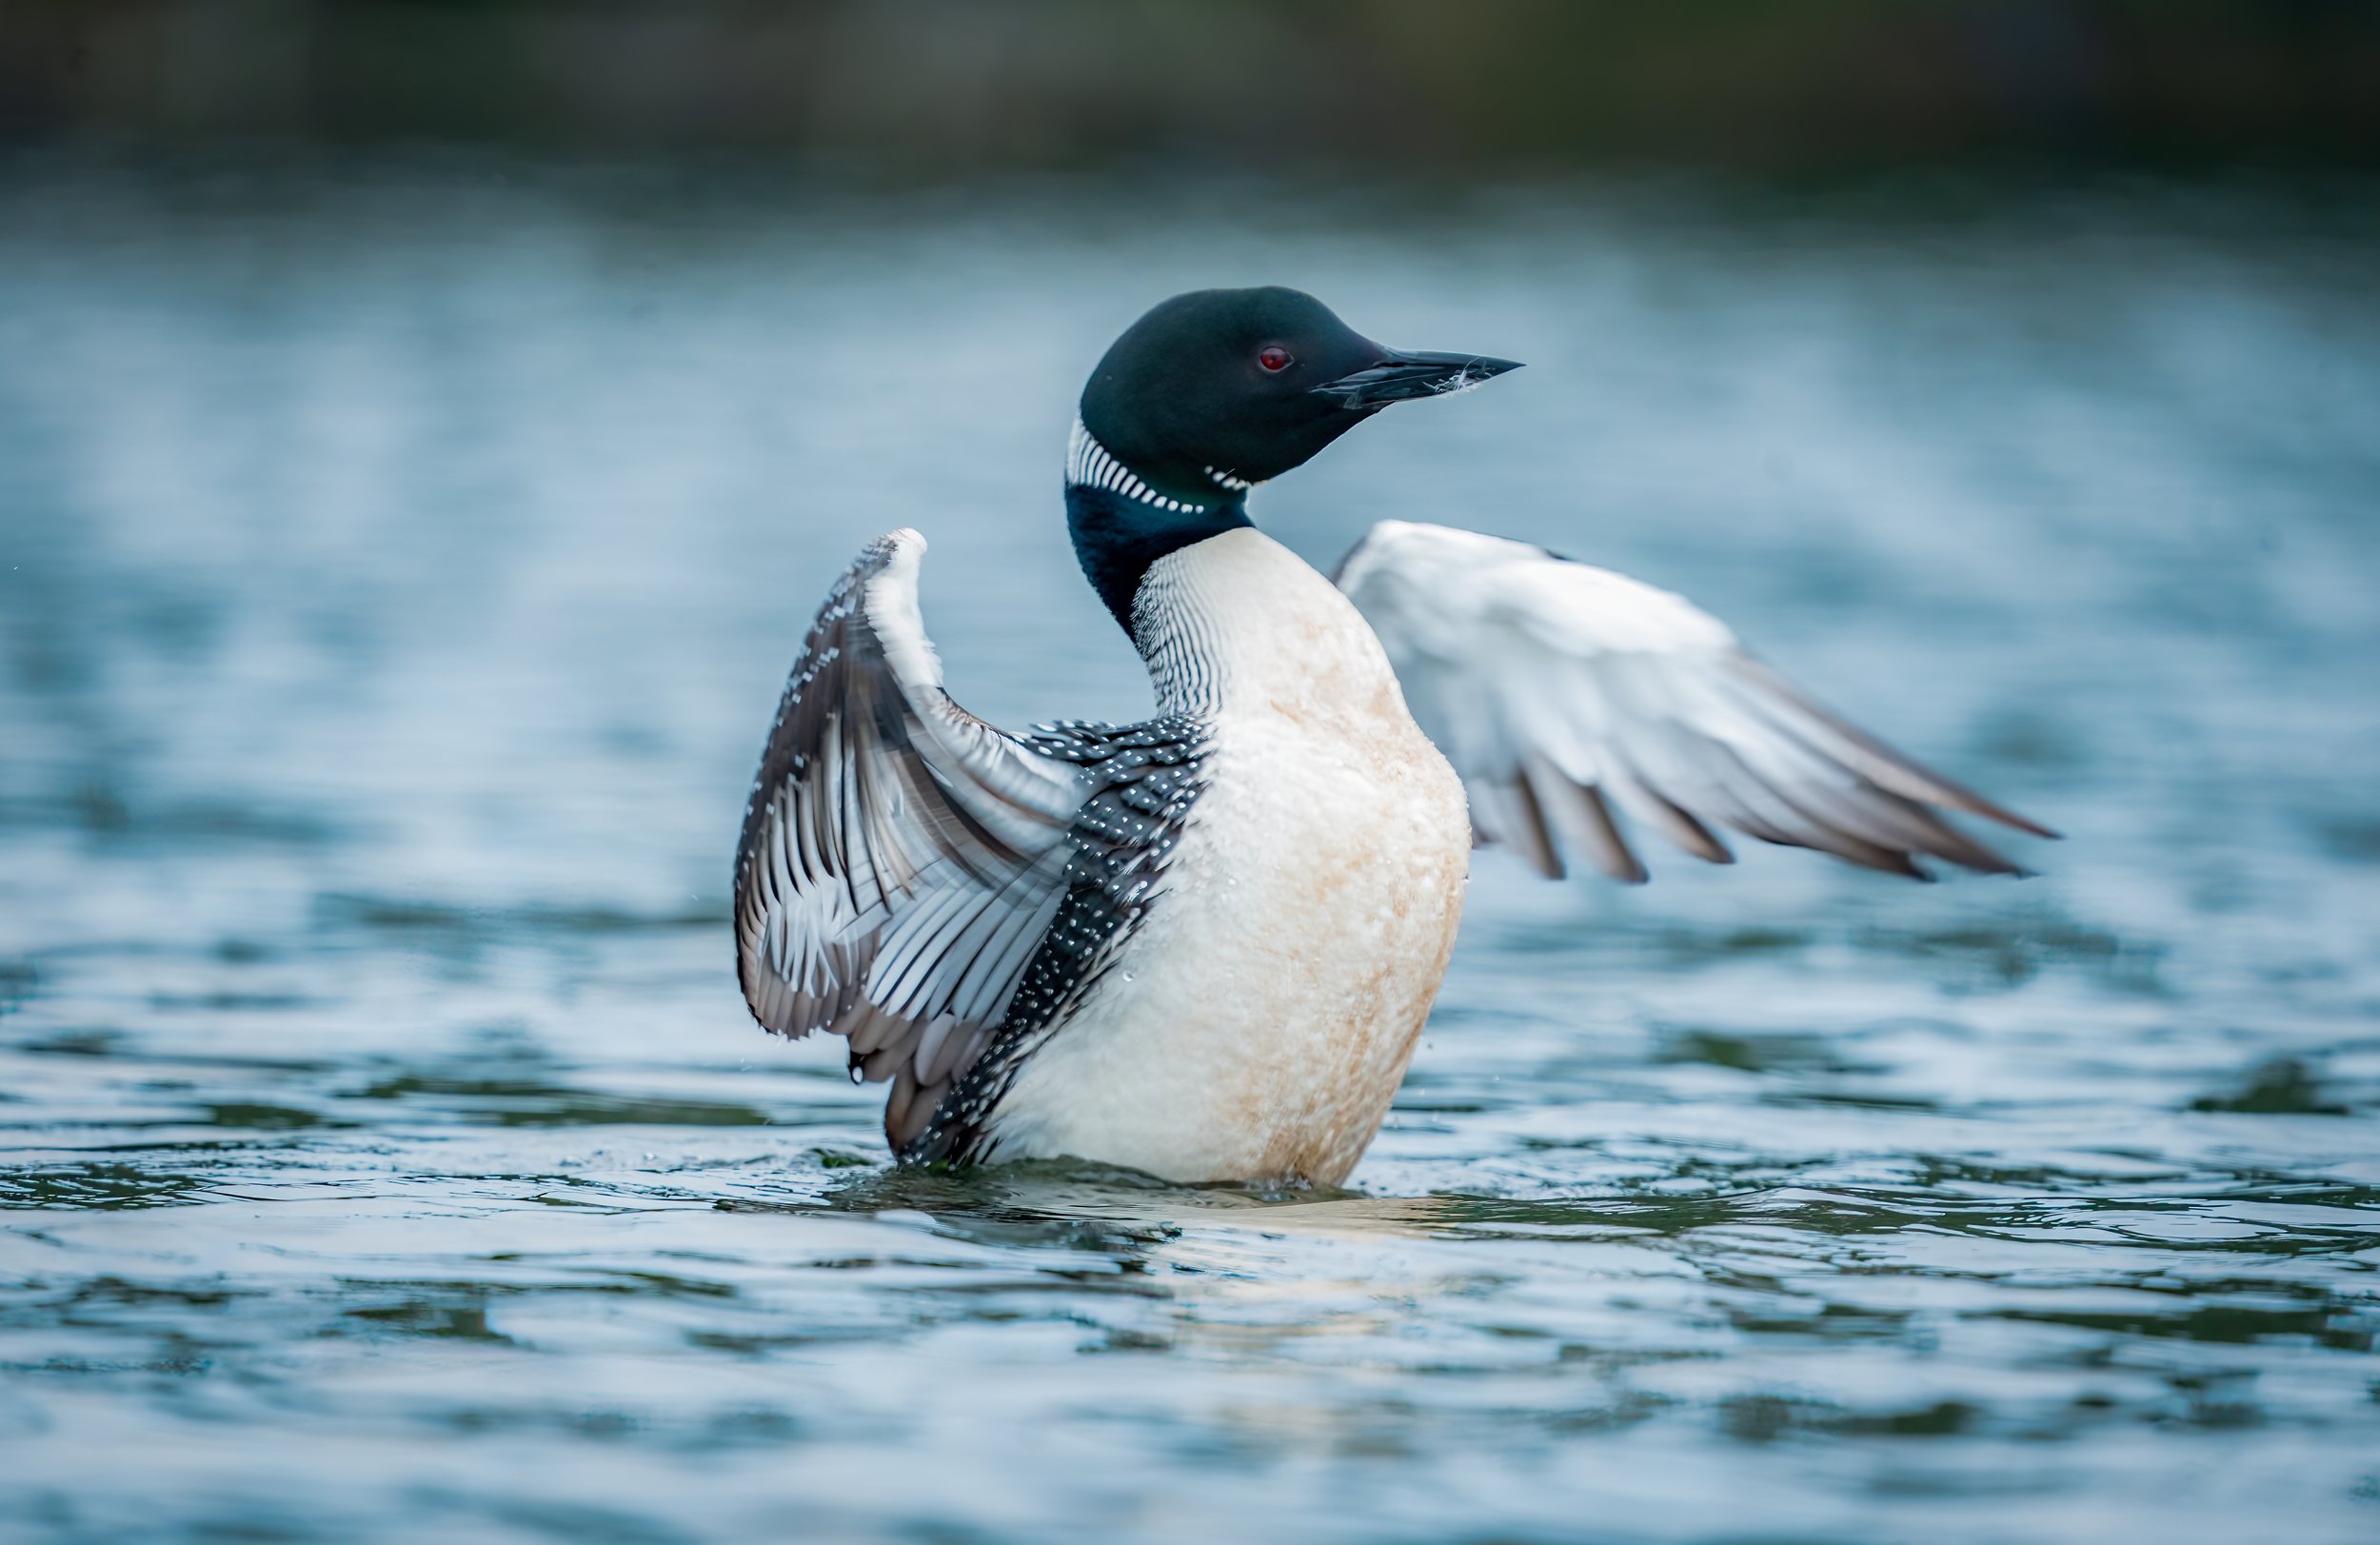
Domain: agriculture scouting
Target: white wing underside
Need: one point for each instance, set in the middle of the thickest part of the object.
(900, 858)
(1559, 691)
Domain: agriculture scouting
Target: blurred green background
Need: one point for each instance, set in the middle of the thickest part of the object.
(950, 87)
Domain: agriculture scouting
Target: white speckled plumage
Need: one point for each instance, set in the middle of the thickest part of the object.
(1259, 1022)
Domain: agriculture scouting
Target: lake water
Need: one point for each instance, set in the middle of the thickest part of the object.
(401, 564)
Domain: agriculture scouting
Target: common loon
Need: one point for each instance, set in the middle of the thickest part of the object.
(1204, 945)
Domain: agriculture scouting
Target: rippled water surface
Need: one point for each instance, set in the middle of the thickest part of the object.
(400, 567)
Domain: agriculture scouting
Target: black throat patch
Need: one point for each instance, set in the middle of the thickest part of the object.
(1116, 539)
(1120, 523)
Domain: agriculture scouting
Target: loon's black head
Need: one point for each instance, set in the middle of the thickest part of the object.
(1212, 392)
(1226, 387)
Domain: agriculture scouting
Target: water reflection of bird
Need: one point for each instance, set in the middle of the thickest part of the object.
(1204, 945)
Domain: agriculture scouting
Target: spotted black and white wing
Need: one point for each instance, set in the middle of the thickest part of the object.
(1559, 691)
(900, 858)
(1143, 782)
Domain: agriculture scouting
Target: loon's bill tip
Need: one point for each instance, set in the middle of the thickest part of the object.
(1403, 375)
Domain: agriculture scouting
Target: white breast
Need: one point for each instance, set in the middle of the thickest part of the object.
(1259, 1021)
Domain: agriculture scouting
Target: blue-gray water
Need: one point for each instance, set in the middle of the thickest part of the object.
(400, 567)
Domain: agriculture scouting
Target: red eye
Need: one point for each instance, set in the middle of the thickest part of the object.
(1273, 357)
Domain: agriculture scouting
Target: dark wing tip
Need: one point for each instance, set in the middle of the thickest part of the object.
(1975, 805)
(1916, 778)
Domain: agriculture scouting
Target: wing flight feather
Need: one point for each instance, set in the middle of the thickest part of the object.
(900, 856)
(1561, 691)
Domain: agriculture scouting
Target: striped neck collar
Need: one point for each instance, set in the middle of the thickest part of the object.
(1090, 464)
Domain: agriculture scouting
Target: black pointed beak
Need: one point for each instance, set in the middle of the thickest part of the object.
(1400, 377)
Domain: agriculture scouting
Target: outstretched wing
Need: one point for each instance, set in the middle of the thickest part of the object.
(1561, 690)
(900, 858)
